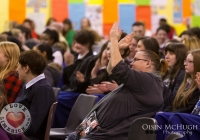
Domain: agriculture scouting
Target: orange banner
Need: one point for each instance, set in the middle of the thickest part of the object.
(110, 11)
(60, 9)
(186, 8)
(143, 14)
(106, 29)
(17, 10)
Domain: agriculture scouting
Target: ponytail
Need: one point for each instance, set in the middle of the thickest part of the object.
(163, 67)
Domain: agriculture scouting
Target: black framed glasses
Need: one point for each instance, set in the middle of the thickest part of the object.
(137, 59)
(188, 61)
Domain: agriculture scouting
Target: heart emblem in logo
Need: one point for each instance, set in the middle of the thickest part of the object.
(15, 119)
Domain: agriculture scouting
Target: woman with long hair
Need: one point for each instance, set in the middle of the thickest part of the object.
(9, 55)
(185, 99)
(175, 54)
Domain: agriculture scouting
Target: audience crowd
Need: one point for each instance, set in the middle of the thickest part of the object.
(140, 74)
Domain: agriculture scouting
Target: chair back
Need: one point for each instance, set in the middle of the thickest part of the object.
(80, 110)
(174, 136)
(56, 92)
(50, 120)
(138, 131)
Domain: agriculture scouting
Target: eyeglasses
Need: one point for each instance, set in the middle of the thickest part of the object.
(137, 59)
(188, 61)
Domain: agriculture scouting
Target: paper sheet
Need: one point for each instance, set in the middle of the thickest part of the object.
(195, 21)
(3, 15)
(159, 3)
(110, 11)
(17, 10)
(142, 2)
(75, 1)
(177, 9)
(94, 13)
(99, 2)
(187, 8)
(126, 17)
(126, 1)
(76, 13)
(59, 9)
(39, 19)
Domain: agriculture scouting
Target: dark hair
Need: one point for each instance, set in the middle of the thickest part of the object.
(49, 20)
(26, 31)
(16, 41)
(172, 41)
(102, 49)
(85, 37)
(159, 65)
(195, 31)
(127, 50)
(151, 44)
(2, 38)
(52, 35)
(165, 28)
(163, 20)
(188, 32)
(180, 51)
(46, 48)
(138, 24)
(30, 22)
(34, 60)
(7, 33)
(68, 21)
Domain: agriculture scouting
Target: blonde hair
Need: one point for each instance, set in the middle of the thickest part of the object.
(11, 52)
(192, 43)
(183, 93)
(15, 32)
(2, 94)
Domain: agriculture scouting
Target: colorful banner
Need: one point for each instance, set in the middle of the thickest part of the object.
(4, 15)
(94, 13)
(143, 14)
(177, 9)
(76, 13)
(110, 11)
(17, 10)
(126, 17)
(60, 9)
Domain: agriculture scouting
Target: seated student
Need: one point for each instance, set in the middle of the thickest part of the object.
(9, 55)
(53, 70)
(148, 43)
(37, 94)
(188, 93)
(132, 48)
(192, 43)
(3, 134)
(76, 76)
(51, 38)
(99, 73)
(186, 34)
(180, 119)
(103, 85)
(115, 114)
(175, 54)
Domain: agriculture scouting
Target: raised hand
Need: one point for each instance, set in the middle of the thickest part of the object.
(95, 69)
(126, 41)
(115, 33)
(80, 77)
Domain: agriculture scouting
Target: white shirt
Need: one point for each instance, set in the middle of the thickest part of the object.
(35, 80)
(58, 58)
(81, 56)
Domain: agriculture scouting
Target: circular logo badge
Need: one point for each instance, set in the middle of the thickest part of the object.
(15, 118)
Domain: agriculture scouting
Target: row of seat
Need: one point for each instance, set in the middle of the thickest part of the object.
(82, 107)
